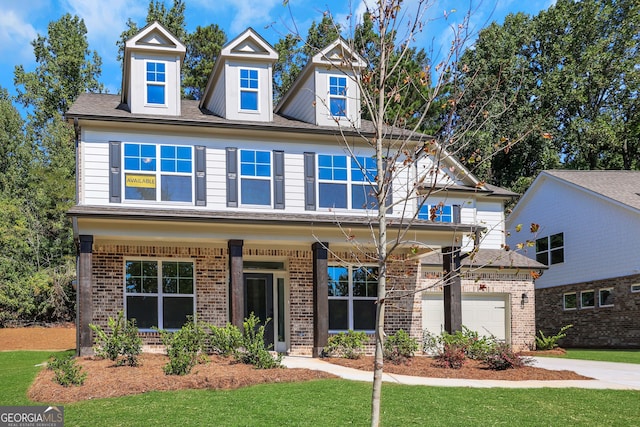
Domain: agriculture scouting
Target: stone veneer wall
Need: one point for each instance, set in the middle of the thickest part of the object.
(598, 327)
(522, 318)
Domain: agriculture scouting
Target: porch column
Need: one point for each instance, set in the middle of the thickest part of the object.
(320, 298)
(236, 289)
(452, 289)
(84, 302)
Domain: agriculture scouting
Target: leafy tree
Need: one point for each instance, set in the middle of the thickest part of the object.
(16, 151)
(203, 48)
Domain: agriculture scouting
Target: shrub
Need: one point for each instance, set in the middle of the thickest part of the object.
(450, 356)
(224, 341)
(503, 358)
(551, 342)
(122, 345)
(253, 350)
(65, 371)
(399, 347)
(474, 346)
(348, 344)
(185, 348)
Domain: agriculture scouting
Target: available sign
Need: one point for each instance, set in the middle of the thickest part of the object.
(31, 416)
(140, 181)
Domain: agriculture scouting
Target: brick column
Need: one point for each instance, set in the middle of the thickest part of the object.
(452, 289)
(320, 298)
(84, 301)
(236, 287)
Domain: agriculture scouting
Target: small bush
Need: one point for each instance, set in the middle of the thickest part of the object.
(253, 350)
(185, 348)
(65, 371)
(551, 342)
(399, 347)
(224, 341)
(451, 356)
(474, 346)
(122, 345)
(349, 345)
(503, 358)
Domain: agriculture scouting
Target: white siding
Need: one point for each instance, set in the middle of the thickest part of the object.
(600, 238)
(137, 95)
(491, 216)
(323, 117)
(217, 101)
(301, 106)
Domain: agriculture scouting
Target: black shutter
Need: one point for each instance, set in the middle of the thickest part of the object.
(232, 177)
(310, 181)
(455, 217)
(115, 176)
(278, 179)
(201, 175)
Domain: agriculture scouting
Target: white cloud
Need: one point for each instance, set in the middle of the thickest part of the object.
(15, 36)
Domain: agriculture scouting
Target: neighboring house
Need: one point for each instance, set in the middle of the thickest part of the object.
(228, 206)
(589, 234)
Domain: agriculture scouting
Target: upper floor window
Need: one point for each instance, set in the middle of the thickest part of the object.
(346, 184)
(255, 177)
(353, 293)
(248, 89)
(338, 96)
(436, 213)
(142, 173)
(159, 293)
(605, 297)
(569, 301)
(156, 79)
(550, 249)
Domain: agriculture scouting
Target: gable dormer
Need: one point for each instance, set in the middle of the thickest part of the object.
(151, 71)
(326, 93)
(240, 86)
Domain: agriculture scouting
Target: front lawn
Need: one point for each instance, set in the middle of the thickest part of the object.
(603, 355)
(332, 402)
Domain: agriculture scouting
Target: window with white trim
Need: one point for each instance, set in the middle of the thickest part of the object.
(156, 82)
(635, 287)
(249, 89)
(550, 249)
(352, 295)
(346, 184)
(605, 297)
(255, 177)
(338, 96)
(587, 299)
(570, 301)
(159, 293)
(142, 174)
(437, 213)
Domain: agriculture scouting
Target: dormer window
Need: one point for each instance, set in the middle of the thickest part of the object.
(437, 213)
(156, 81)
(249, 89)
(338, 96)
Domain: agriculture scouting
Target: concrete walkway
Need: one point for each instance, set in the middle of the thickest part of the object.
(607, 375)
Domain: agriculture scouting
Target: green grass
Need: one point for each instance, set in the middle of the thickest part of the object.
(603, 355)
(334, 403)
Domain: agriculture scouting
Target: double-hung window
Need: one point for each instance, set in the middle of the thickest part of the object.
(346, 184)
(159, 293)
(352, 295)
(143, 172)
(338, 96)
(437, 213)
(550, 249)
(156, 80)
(255, 177)
(249, 89)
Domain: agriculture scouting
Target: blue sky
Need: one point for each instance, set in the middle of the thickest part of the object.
(22, 21)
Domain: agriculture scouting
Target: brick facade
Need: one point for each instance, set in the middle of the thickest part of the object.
(616, 326)
(521, 317)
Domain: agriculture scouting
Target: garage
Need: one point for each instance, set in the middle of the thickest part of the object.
(483, 313)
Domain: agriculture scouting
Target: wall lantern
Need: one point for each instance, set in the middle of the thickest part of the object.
(524, 299)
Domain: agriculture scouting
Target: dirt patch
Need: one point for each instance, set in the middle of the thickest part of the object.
(106, 380)
(54, 338)
(472, 369)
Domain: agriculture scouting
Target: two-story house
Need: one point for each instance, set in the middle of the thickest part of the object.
(230, 205)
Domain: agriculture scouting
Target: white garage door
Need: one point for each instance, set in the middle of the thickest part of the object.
(483, 313)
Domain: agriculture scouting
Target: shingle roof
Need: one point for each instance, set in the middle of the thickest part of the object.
(489, 258)
(620, 186)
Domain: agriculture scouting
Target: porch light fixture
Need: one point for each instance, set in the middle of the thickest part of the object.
(524, 299)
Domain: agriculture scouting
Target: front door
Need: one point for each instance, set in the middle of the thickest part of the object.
(258, 299)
